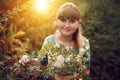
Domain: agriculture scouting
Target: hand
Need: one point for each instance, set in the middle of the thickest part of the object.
(75, 75)
(24, 60)
(58, 77)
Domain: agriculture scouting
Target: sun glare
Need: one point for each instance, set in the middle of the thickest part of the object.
(41, 5)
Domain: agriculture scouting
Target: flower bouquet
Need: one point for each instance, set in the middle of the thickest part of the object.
(63, 61)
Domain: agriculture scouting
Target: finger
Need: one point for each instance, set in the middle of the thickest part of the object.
(21, 62)
(24, 60)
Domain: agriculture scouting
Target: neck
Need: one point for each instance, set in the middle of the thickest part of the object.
(64, 40)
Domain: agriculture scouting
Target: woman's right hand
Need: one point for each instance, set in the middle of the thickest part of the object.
(24, 60)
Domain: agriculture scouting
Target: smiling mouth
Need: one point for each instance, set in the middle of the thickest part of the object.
(67, 30)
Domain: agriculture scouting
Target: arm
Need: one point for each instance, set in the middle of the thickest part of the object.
(87, 54)
(34, 61)
(48, 42)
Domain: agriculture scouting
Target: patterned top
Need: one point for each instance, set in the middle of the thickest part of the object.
(62, 58)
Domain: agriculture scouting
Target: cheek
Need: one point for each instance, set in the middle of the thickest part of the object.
(60, 25)
(75, 27)
(74, 30)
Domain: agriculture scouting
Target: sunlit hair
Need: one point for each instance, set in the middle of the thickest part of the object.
(71, 11)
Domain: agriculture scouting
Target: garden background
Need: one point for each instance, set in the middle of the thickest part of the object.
(23, 29)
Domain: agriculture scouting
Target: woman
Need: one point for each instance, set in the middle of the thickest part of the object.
(68, 34)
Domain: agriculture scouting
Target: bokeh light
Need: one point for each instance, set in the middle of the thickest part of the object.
(41, 5)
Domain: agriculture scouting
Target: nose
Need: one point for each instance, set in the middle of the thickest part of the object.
(67, 24)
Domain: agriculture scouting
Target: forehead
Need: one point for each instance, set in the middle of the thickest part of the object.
(68, 12)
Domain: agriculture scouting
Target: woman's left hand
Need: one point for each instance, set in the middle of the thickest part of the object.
(75, 75)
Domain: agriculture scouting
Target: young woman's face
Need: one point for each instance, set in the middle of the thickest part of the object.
(67, 26)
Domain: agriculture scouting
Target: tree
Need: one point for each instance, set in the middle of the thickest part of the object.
(102, 28)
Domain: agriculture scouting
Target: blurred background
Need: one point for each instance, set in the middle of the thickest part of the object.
(24, 24)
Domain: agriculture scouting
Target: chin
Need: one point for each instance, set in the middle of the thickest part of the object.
(67, 34)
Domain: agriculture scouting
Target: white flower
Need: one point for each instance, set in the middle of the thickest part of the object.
(26, 58)
(59, 61)
(58, 65)
(82, 50)
(69, 57)
(78, 59)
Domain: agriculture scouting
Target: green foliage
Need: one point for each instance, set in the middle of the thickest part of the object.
(102, 28)
(72, 63)
(11, 48)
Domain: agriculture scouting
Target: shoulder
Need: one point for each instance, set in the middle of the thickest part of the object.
(84, 40)
(50, 37)
(86, 44)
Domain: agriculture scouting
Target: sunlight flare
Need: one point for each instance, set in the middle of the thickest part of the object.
(41, 5)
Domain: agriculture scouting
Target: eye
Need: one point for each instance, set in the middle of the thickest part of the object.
(72, 20)
(63, 19)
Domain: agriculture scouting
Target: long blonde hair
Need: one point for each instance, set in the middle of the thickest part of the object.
(71, 11)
